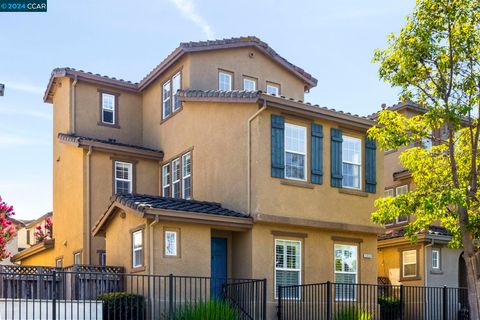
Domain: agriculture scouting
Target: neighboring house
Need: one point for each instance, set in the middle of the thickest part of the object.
(429, 261)
(28, 246)
(193, 171)
(15, 244)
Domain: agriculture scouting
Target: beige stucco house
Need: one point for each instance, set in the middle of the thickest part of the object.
(213, 165)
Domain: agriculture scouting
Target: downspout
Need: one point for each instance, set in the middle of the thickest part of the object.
(89, 207)
(73, 106)
(426, 260)
(150, 234)
(249, 155)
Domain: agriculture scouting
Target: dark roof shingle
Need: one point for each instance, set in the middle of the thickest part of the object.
(142, 202)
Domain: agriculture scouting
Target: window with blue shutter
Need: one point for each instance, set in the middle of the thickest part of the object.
(278, 146)
(370, 166)
(336, 157)
(316, 154)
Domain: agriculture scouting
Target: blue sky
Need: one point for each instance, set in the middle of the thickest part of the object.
(333, 40)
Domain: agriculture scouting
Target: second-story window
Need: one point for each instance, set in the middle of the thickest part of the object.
(351, 162)
(123, 177)
(401, 190)
(295, 152)
(170, 102)
(225, 81)
(249, 84)
(177, 177)
(108, 108)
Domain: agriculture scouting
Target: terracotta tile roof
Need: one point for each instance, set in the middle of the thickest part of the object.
(249, 41)
(250, 96)
(400, 106)
(142, 202)
(399, 233)
(79, 139)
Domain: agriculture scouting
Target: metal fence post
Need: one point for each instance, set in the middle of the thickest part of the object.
(279, 311)
(329, 300)
(54, 295)
(401, 300)
(170, 295)
(445, 302)
(264, 307)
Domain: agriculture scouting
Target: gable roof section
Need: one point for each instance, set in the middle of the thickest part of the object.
(240, 42)
(164, 208)
(282, 102)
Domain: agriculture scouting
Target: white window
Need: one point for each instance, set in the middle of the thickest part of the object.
(351, 162)
(435, 259)
(249, 84)
(288, 266)
(409, 263)
(389, 192)
(176, 178)
(224, 81)
(401, 190)
(176, 85)
(103, 258)
(186, 176)
(77, 258)
(123, 177)
(166, 180)
(171, 243)
(137, 249)
(58, 263)
(108, 108)
(427, 143)
(346, 269)
(272, 89)
(167, 97)
(295, 152)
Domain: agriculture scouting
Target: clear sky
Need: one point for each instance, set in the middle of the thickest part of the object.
(332, 40)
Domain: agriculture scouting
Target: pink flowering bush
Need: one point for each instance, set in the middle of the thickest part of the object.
(7, 229)
(44, 233)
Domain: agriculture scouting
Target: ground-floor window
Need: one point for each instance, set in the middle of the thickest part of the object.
(346, 271)
(288, 266)
(77, 258)
(409, 263)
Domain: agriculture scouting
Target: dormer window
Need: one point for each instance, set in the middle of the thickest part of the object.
(225, 81)
(170, 102)
(273, 89)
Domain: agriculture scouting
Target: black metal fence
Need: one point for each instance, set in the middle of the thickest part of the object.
(338, 301)
(59, 295)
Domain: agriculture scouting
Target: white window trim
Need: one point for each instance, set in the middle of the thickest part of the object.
(168, 98)
(184, 177)
(79, 255)
(174, 93)
(176, 243)
(353, 163)
(57, 262)
(137, 249)
(130, 175)
(179, 180)
(112, 110)
(250, 80)
(405, 186)
(229, 75)
(167, 184)
(437, 266)
(277, 89)
(347, 272)
(299, 269)
(404, 264)
(295, 152)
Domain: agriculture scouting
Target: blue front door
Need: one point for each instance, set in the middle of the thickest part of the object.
(218, 266)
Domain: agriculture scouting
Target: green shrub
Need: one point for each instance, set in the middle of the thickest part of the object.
(212, 310)
(390, 307)
(122, 305)
(352, 313)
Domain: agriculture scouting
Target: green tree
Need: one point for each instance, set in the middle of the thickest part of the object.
(435, 61)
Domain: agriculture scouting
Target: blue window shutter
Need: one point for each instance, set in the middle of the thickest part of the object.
(278, 146)
(336, 140)
(316, 153)
(370, 166)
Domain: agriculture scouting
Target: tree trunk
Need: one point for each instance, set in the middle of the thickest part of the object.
(473, 285)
